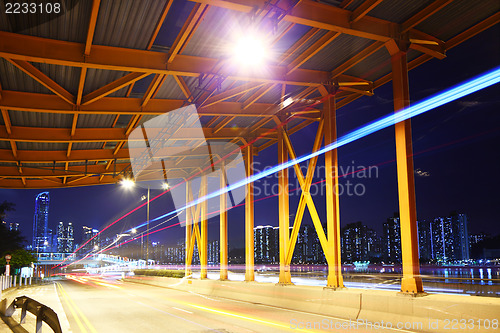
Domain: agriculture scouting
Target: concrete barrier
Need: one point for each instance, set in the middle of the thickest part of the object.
(372, 309)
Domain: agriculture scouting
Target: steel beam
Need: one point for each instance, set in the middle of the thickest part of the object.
(203, 244)
(318, 15)
(334, 260)
(249, 216)
(46, 103)
(411, 283)
(284, 213)
(35, 49)
(223, 223)
(189, 250)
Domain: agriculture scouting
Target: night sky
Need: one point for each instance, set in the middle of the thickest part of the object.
(456, 151)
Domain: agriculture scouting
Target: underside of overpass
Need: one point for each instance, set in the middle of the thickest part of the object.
(76, 84)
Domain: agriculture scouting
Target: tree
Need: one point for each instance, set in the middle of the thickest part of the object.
(5, 207)
(10, 240)
(20, 258)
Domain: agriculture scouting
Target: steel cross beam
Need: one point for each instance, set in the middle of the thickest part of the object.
(36, 49)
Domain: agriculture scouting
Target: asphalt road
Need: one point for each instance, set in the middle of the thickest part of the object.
(92, 304)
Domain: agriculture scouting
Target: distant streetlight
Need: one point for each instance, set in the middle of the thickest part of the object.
(165, 186)
(134, 230)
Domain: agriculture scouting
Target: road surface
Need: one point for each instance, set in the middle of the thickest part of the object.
(92, 304)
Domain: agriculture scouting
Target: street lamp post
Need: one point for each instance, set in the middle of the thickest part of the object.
(7, 267)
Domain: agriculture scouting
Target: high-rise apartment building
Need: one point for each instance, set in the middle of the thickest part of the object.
(264, 243)
(391, 239)
(358, 242)
(40, 241)
(449, 238)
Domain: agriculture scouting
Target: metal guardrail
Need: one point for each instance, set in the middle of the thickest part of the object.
(42, 312)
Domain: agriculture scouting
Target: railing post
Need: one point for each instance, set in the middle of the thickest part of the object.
(411, 282)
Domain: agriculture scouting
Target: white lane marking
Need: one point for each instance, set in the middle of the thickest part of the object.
(182, 310)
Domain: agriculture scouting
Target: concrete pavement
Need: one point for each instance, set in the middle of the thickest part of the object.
(96, 305)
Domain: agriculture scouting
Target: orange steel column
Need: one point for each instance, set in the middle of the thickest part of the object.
(284, 210)
(204, 234)
(188, 233)
(335, 279)
(411, 282)
(249, 218)
(223, 223)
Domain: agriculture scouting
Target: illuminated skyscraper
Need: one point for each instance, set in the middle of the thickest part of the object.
(40, 221)
(87, 234)
(65, 238)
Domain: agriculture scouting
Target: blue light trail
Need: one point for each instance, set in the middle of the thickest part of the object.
(452, 94)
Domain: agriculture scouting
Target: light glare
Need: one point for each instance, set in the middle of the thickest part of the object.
(127, 183)
(250, 51)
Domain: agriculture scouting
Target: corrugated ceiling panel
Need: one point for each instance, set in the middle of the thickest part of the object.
(5, 145)
(354, 4)
(71, 26)
(304, 47)
(13, 78)
(336, 53)
(95, 120)
(42, 146)
(272, 96)
(97, 78)
(38, 119)
(67, 77)
(87, 145)
(290, 38)
(214, 34)
(123, 121)
(398, 11)
(220, 28)
(457, 17)
(127, 23)
(170, 89)
(375, 66)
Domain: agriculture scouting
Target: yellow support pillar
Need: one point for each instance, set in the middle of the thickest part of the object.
(333, 258)
(249, 217)
(411, 282)
(223, 223)
(284, 213)
(188, 234)
(204, 234)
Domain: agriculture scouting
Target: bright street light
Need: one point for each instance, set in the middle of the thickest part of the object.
(250, 50)
(127, 183)
(165, 186)
(134, 230)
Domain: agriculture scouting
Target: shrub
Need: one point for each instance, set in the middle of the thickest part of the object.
(160, 272)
